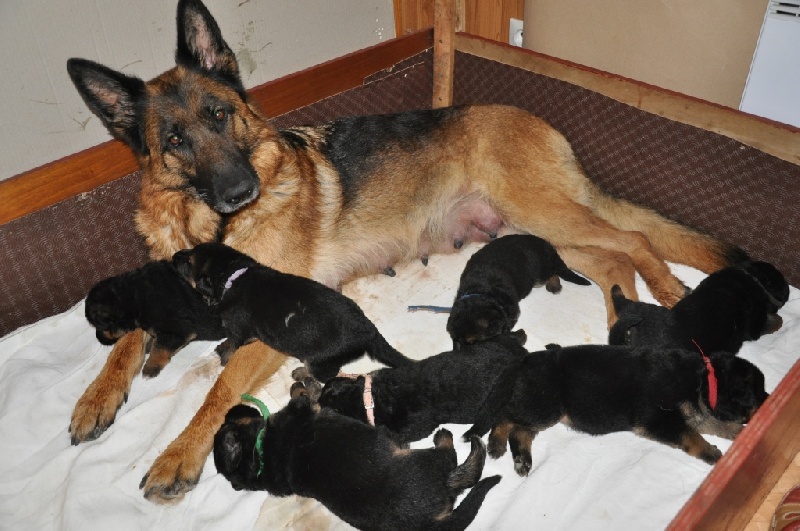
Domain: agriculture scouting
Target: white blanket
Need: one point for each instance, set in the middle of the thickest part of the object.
(617, 481)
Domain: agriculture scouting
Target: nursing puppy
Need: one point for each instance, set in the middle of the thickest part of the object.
(154, 298)
(356, 471)
(413, 401)
(667, 395)
(294, 315)
(496, 278)
(733, 305)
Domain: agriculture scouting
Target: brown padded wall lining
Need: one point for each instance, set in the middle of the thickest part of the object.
(697, 177)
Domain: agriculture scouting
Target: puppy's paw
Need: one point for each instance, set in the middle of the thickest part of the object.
(95, 412)
(711, 454)
(301, 373)
(174, 473)
(523, 464)
(444, 438)
(496, 447)
(151, 371)
(225, 350)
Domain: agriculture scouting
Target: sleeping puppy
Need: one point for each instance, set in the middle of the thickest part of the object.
(356, 471)
(496, 278)
(295, 315)
(733, 305)
(413, 401)
(158, 300)
(670, 396)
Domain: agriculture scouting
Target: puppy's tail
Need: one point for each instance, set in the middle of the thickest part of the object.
(382, 351)
(469, 472)
(464, 514)
(671, 240)
(569, 275)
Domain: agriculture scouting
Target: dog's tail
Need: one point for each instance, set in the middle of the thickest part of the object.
(382, 351)
(671, 240)
(464, 514)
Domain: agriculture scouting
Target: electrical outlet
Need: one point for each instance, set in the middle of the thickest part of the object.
(515, 32)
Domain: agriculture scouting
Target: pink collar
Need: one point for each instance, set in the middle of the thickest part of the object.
(369, 402)
(712, 378)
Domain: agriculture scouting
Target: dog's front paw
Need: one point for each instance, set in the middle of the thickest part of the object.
(174, 473)
(95, 411)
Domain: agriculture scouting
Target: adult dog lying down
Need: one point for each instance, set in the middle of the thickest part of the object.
(353, 469)
(667, 395)
(343, 199)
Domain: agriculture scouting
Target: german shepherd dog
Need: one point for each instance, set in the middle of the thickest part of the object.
(344, 199)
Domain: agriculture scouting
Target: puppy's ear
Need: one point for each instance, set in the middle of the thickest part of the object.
(624, 330)
(114, 97)
(201, 46)
(618, 298)
(241, 411)
(182, 261)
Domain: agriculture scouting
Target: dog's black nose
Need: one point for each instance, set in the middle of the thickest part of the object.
(238, 195)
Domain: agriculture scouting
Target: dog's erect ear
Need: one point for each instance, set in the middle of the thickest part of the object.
(619, 299)
(114, 97)
(201, 46)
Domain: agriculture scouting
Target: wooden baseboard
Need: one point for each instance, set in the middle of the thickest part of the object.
(54, 182)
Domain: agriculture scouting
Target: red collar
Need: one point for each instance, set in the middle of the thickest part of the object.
(712, 378)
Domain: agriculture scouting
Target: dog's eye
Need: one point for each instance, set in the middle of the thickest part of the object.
(220, 114)
(175, 140)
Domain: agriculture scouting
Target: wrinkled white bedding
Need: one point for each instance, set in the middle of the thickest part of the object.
(618, 481)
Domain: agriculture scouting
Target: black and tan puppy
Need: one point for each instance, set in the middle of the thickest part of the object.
(413, 401)
(733, 305)
(496, 278)
(295, 315)
(353, 469)
(667, 395)
(154, 298)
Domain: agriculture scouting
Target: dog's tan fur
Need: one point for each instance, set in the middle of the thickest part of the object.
(489, 158)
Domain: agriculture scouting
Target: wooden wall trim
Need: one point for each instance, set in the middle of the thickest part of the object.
(444, 28)
(771, 137)
(736, 486)
(54, 182)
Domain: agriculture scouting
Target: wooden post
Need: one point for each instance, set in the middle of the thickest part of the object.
(444, 28)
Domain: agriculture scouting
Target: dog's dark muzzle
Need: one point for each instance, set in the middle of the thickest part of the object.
(234, 187)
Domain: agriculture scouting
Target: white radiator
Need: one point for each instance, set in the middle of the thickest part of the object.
(773, 85)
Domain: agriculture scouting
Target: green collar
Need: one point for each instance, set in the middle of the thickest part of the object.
(260, 438)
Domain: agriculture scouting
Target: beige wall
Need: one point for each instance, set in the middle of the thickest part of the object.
(44, 117)
(701, 48)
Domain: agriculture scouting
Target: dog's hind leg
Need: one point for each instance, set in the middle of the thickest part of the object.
(606, 268)
(177, 470)
(97, 407)
(578, 226)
